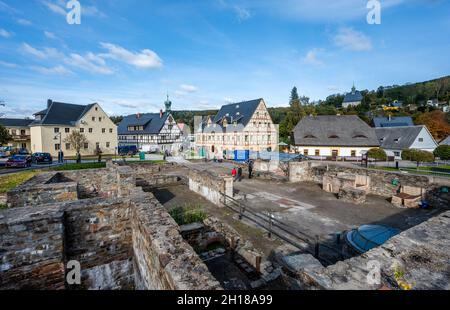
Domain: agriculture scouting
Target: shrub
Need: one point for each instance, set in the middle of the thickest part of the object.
(188, 214)
(377, 153)
(417, 156)
(443, 152)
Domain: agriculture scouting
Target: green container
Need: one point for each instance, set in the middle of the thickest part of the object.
(141, 156)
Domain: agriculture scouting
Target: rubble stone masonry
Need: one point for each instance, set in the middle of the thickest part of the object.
(122, 237)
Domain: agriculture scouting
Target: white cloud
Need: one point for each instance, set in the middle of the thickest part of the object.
(4, 33)
(188, 88)
(57, 8)
(8, 9)
(26, 48)
(311, 57)
(50, 35)
(350, 39)
(24, 22)
(145, 59)
(313, 10)
(58, 70)
(90, 63)
(242, 13)
(126, 104)
(46, 53)
(91, 11)
(8, 64)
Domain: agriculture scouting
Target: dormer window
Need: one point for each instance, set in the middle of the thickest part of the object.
(237, 106)
(310, 137)
(396, 140)
(333, 137)
(360, 136)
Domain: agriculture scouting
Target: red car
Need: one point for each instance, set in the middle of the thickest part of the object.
(19, 161)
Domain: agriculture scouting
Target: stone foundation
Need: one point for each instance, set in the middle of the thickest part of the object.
(123, 238)
(210, 186)
(422, 253)
(353, 195)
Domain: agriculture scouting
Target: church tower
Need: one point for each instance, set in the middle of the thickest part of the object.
(168, 105)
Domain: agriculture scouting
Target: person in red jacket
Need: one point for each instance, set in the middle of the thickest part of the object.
(234, 172)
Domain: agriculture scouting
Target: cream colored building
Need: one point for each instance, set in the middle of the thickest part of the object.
(244, 126)
(53, 125)
(19, 130)
(334, 136)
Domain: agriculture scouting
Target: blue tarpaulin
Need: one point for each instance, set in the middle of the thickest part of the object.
(367, 237)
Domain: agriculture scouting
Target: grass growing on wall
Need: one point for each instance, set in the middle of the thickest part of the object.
(188, 214)
(11, 181)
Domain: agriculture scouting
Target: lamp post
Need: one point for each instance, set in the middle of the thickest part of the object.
(60, 159)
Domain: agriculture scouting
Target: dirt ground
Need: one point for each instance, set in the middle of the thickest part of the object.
(304, 206)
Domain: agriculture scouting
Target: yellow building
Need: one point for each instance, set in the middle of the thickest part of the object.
(244, 126)
(19, 129)
(53, 125)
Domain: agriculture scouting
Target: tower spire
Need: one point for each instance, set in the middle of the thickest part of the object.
(168, 104)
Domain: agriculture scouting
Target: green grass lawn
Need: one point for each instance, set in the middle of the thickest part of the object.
(8, 182)
(442, 171)
(152, 162)
(81, 166)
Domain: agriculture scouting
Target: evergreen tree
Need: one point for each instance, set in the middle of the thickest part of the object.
(5, 137)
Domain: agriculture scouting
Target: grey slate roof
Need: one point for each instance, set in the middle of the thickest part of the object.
(14, 122)
(353, 96)
(60, 113)
(241, 112)
(334, 130)
(400, 121)
(152, 123)
(398, 138)
(446, 141)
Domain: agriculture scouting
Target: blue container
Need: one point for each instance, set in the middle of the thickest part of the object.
(243, 155)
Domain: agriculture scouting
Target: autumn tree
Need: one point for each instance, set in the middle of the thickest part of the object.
(76, 140)
(436, 123)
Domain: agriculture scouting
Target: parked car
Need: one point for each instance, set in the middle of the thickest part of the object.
(130, 150)
(42, 158)
(19, 161)
(23, 152)
(3, 158)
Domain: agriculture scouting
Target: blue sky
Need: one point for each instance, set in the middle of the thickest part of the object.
(126, 55)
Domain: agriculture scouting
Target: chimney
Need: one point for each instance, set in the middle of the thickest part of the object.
(160, 113)
(49, 103)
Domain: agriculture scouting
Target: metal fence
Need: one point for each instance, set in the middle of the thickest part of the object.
(318, 245)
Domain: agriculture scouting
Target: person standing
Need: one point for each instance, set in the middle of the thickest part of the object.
(250, 169)
(239, 174)
(62, 156)
(234, 173)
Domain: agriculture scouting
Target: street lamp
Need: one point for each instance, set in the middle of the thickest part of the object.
(60, 159)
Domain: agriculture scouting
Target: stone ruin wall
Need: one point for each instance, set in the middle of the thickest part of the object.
(380, 181)
(421, 253)
(127, 241)
(210, 186)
